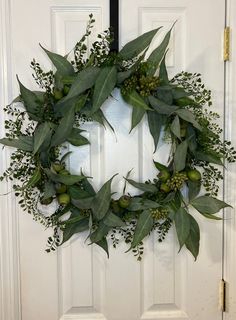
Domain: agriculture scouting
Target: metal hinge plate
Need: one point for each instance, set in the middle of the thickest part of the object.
(227, 44)
(222, 295)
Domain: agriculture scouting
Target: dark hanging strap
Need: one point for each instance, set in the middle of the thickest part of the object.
(114, 23)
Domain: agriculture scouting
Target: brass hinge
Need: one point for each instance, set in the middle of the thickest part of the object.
(222, 295)
(227, 44)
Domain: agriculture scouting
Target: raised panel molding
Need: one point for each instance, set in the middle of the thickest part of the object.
(69, 24)
(154, 17)
(10, 308)
(163, 272)
(81, 280)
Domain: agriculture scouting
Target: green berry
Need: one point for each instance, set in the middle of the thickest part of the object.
(63, 199)
(115, 206)
(124, 201)
(165, 187)
(164, 175)
(194, 175)
(58, 95)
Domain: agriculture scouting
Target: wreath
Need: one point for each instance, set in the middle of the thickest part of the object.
(41, 123)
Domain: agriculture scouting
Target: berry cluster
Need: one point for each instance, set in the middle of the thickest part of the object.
(176, 182)
(129, 85)
(142, 83)
(159, 214)
(146, 85)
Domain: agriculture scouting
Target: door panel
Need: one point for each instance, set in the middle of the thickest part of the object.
(79, 282)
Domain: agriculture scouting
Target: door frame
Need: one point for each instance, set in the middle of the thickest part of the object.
(10, 293)
(229, 259)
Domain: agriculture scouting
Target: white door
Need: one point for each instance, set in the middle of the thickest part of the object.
(79, 282)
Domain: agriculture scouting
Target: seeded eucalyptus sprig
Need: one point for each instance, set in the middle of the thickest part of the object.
(42, 123)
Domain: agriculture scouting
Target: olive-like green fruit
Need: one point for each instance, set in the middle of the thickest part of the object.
(60, 188)
(66, 89)
(124, 201)
(46, 201)
(63, 199)
(194, 175)
(58, 94)
(165, 188)
(57, 166)
(64, 172)
(115, 206)
(164, 175)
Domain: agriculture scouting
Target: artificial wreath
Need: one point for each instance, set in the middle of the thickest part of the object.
(45, 120)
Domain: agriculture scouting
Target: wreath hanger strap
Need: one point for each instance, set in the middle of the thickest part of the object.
(114, 24)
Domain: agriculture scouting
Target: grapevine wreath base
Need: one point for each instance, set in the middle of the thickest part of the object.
(41, 123)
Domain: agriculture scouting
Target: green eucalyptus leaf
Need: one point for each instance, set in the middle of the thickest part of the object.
(77, 193)
(49, 190)
(63, 158)
(76, 139)
(139, 107)
(179, 93)
(189, 117)
(112, 220)
(164, 93)
(143, 227)
(104, 85)
(163, 74)
(193, 241)
(123, 75)
(137, 116)
(42, 133)
(71, 229)
(160, 166)
(68, 79)
(101, 201)
(192, 138)
(185, 101)
(134, 99)
(175, 127)
(24, 143)
(182, 225)
(87, 186)
(65, 179)
(155, 122)
(137, 204)
(99, 233)
(209, 157)
(63, 66)
(143, 186)
(208, 205)
(211, 216)
(138, 45)
(64, 128)
(104, 245)
(84, 81)
(194, 188)
(31, 102)
(84, 203)
(157, 55)
(161, 107)
(34, 179)
(180, 156)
